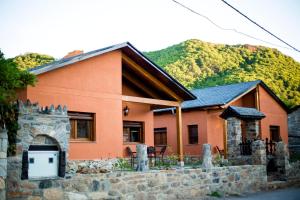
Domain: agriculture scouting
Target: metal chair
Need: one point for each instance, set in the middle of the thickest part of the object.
(132, 155)
(221, 152)
(151, 153)
(162, 152)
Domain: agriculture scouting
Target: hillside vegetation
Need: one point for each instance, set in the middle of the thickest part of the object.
(31, 60)
(198, 64)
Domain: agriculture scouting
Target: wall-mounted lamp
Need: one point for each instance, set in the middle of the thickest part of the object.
(126, 111)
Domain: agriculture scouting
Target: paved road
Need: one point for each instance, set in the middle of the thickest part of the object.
(282, 194)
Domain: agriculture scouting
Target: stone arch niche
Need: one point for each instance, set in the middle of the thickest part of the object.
(44, 134)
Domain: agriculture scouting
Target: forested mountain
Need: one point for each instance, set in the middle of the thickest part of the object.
(198, 64)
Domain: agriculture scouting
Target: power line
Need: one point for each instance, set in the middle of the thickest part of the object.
(259, 25)
(229, 29)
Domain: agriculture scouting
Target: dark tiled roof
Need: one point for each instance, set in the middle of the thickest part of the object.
(293, 109)
(242, 113)
(69, 60)
(218, 95)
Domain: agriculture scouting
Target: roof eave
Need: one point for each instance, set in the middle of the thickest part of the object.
(51, 67)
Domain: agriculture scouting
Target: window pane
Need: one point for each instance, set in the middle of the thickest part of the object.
(193, 134)
(274, 133)
(82, 125)
(83, 129)
(72, 124)
(135, 134)
(160, 136)
(126, 134)
(133, 131)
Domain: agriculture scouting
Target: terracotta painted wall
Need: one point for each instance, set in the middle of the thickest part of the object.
(215, 129)
(93, 85)
(188, 118)
(194, 118)
(168, 121)
(140, 113)
(275, 115)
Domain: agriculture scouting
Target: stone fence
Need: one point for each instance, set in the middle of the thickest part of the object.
(3, 162)
(163, 184)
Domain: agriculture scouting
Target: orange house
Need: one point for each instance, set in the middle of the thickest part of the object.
(110, 94)
(201, 121)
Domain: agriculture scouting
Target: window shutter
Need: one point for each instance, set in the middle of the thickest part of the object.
(25, 165)
(62, 164)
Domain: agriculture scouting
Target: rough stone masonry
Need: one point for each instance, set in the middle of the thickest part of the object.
(3, 162)
(162, 184)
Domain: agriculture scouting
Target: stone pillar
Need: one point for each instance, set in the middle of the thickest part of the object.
(234, 138)
(259, 156)
(142, 157)
(207, 159)
(281, 156)
(3, 162)
(252, 129)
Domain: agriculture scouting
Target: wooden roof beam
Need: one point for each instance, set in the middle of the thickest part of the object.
(150, 101)
(150, 77)
(139, 84)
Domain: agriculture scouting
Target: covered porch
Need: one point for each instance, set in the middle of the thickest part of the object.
(145, 89)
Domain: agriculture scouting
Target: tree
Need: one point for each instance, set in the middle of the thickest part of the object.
(11, 79)
(31, 60)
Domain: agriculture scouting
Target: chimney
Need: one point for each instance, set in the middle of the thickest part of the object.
(73, 53)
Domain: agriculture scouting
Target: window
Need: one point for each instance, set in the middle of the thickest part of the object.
(275, 133)
(193, 134)
(82, 126)
(133, 131)
(160, 136)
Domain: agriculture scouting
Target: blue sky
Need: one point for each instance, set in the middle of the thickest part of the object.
(56, 27)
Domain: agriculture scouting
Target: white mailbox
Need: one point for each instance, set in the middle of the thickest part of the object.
(42, 163)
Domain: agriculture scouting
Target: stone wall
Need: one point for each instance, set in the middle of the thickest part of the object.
(282, 156)
(234, 138)
(252, 129)
(90, 166)
(259, 156)
(38, 126)
(3, 162)
(294, 130)
(42, 126)
(168, 184)
(293, 171)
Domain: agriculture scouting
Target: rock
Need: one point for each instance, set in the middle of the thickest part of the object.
(45, 184)
(76, 196)
(95, 185)
(2, 183)
(142, 157)
(207, 158)
(97, 195)
(34, 198)
(53, 193)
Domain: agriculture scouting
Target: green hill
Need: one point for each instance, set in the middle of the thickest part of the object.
(198, 64)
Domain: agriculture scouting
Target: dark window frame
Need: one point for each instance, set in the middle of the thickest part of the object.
(74, 119)
(160, 131)
(134, 124)
(191, 139)
(275, 128)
